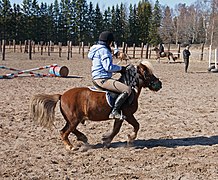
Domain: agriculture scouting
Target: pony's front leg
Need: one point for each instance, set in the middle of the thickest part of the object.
(131, 137)
(109, 137)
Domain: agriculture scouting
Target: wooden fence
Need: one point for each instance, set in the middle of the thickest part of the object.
(30, 47)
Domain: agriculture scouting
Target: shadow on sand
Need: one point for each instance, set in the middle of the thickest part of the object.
(169, 143)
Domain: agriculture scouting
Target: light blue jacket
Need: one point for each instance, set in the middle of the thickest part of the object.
(102, 62)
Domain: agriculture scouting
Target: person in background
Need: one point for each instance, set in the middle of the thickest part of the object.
(186, 54)
(161, 49)
(102, 69)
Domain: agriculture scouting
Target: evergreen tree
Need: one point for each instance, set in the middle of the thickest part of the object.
(133, 25)
(113, 20)
(82, 20)
(26, 9)
(15, 22)
(107, 18)
(123, 31)
(144, 18)
(56, 16)
(51, 23)
(154, 37)
(6, 18)
(98, 22)
(34, 24)
(65, 20)
(90, 24)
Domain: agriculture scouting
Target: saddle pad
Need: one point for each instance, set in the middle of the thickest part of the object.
(109, 97)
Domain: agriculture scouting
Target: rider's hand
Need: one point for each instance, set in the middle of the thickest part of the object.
(123, 69)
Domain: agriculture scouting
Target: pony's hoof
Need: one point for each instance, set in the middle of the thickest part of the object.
(69, 147)
(131, 139)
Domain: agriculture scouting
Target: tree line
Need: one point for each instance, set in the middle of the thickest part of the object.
(79, 21)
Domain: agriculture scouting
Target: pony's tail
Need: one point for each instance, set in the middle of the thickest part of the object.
(42, 109)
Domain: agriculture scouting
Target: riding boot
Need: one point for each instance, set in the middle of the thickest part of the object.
(115, 113)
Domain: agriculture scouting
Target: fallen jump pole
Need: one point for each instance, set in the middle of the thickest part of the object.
(19, 72)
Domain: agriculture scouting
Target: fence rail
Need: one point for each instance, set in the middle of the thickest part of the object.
(30, 47)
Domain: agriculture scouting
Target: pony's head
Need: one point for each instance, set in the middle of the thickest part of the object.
(146, 74)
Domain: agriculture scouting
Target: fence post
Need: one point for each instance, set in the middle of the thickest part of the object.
(133, 51)
(123, 46)
(202, 51)
(30, 49)
(59, 48)
(9, 43)
(142, 47)
(33, 47)
(79, 47)
(147, 49)
(126, 48)
(41, 43)
(20, 46)
(14, 45)
(83, 50)
(179, 50)
(49, 47)
(25, 47)
(149, 52)
(3, 50)
(0, 46)
(68, 50)
(168, 48)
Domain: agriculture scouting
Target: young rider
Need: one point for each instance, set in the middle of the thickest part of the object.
(102, 69)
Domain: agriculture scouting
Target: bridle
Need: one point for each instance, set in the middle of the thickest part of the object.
(150, 81)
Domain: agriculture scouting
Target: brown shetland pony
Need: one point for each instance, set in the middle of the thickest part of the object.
(163, 54)
(123, 57)
(80, 104)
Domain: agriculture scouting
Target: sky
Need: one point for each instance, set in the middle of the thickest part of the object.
(106, 3)
(170, 3)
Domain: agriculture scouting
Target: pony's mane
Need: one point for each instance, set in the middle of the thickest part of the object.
(130, 78)
(148, 65)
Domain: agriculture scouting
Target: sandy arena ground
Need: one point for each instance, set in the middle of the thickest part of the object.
(177, 140)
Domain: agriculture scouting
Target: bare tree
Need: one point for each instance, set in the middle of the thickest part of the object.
(167, 28)
(214, 23)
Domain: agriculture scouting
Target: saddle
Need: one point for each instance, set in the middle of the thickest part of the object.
(130, 78)
(162, 53)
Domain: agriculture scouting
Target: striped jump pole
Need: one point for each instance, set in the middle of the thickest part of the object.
(19, 72)
(210, 54)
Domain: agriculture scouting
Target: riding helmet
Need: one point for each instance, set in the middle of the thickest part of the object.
(106, 36)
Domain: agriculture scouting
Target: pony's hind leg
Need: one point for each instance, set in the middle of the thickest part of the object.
(68, 128)
(109, 137)
(64, 136)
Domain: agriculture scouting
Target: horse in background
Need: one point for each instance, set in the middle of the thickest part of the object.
(119, 55)
(167, 54)
(81, 103)
(122, 57)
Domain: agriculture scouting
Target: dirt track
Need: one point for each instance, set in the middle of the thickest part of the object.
(178, 136)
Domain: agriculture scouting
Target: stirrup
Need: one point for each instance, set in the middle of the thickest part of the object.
(116, 115)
